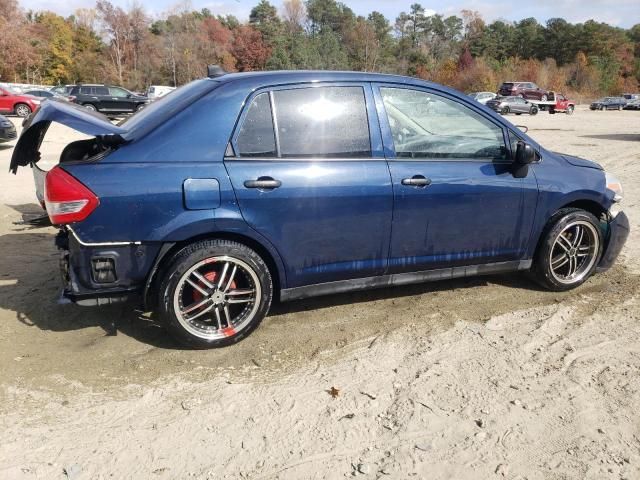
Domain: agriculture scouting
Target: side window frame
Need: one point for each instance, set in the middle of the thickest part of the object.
(475, 107)
(375, 135)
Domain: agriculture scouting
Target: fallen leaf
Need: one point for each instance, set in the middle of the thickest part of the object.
(334, 392)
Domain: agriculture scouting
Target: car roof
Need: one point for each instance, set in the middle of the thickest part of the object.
(276, 77)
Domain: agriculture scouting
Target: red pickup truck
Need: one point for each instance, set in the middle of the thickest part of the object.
(562, 104)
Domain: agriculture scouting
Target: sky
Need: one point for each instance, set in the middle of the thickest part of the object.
(622, 13)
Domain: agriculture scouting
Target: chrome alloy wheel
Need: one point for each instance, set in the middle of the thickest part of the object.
(22, 111)
(217, 297)
(574, 252)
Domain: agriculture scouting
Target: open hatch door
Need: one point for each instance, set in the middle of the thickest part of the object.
(26, 151)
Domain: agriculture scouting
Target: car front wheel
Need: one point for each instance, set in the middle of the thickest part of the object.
(533, 111)
(569, 250)
(90, 106)
(214, 293)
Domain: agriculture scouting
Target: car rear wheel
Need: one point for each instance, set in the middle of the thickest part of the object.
(90, 106)
(22, 110)
(570, 110)
(214, 293)
(533, 111)
(569, 250)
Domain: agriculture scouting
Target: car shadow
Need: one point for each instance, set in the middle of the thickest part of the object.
(623, 137)
(30, 287)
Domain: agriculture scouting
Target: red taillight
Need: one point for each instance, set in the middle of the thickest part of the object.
(66, 199)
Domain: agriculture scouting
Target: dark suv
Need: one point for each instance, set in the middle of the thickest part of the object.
(524, 90)
(107, 99)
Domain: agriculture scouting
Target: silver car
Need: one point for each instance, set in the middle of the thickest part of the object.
(517, 105)
(483, 97)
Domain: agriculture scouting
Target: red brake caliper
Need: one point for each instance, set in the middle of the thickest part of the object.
(212, 277)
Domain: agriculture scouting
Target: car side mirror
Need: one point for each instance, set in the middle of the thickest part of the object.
(525, 154)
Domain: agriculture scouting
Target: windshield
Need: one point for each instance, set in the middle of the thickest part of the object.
(169, 105)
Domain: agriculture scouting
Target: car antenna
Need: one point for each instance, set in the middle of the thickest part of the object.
(214, 71)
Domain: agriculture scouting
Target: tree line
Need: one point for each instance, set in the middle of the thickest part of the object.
(110, 44)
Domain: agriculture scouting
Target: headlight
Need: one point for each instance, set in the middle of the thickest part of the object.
(615, 186)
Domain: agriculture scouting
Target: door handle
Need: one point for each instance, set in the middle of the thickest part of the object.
(416, 181)
(264, 183)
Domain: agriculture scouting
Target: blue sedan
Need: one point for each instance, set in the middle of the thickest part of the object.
(241, 188)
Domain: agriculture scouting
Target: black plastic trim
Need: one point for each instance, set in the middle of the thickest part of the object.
(395, 279)
(618, 232)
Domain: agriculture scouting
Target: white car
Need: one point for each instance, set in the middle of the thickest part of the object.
(156, 91)
(483, 97)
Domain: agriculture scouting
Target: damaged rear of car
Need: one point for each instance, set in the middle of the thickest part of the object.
(98, 266)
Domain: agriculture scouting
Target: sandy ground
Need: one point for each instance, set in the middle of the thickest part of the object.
(468, 379)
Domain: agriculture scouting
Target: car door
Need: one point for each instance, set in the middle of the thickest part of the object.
(524, 106)
(309, 173)
(6, 105)
(456, 200)
(119, 100)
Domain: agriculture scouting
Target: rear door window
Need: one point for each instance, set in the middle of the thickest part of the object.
(102, 91)
(257, 137)
(326, 122)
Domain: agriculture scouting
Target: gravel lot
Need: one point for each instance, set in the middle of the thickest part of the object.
(467, 379)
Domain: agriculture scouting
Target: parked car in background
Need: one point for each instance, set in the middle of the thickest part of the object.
(483, 97)
(17, 103)
(562, 104)
(631, 96)
(276, 187)
(156, 91)
(608, 103)
(107, 99)
(7, 130)
(527, 90)
(46, 94)
(632, 105)
(62, 89)
(517, 105)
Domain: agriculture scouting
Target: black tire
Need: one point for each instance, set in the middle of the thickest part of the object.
(552, 111)
(533, 111)
(140, 107)
(22, 110)
(505, 110)
(541, 269)
(90, 106)
(570, 110)
(172, 277)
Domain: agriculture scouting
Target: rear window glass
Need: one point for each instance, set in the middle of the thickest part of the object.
(101, 91)
(256, 137)
(328, 122)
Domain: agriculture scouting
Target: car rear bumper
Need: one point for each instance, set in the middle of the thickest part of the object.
(102, 274)
(618, 231)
